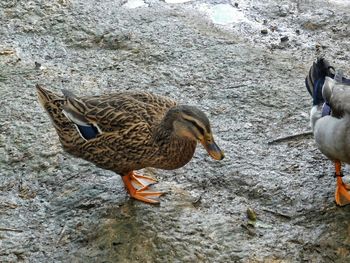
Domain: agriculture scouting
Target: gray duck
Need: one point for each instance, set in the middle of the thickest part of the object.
(330, 119)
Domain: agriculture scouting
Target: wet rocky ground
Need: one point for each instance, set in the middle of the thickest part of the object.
(242, 62)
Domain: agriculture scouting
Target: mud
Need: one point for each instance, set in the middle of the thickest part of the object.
(245, 71)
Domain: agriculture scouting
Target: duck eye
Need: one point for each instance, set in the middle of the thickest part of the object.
(209, 139)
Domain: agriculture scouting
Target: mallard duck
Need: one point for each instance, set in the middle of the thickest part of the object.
(330, 119)
(128, 131)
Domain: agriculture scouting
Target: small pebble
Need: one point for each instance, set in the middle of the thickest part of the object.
(283, 10)
(284, 39)
(37, 65)
(251, 214)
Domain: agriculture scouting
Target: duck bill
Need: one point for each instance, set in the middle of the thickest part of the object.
(213, 150)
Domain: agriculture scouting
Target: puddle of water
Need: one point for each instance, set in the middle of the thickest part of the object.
(224, 14)
(176, 1)
(134, 4)
(341, 2)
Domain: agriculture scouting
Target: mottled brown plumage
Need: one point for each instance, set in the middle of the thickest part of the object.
(128, 131)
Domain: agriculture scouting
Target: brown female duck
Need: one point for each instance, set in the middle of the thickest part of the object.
(128, 131)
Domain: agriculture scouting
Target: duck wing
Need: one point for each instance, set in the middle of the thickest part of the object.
(120, 112)
(337, 95)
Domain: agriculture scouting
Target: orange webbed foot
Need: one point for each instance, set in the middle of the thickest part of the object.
(342, 196)
(143, 193)
(141, 180)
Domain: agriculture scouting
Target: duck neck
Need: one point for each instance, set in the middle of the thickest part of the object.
(175, 150)
(165, 130)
